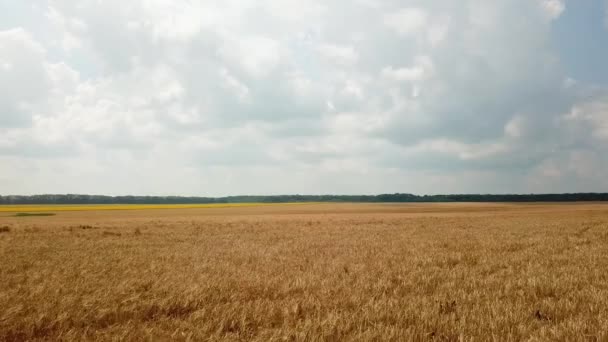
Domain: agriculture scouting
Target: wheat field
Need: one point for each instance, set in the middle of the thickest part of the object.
(316, 272)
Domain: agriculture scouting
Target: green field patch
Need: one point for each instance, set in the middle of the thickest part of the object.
(34, 214)
(40, 208)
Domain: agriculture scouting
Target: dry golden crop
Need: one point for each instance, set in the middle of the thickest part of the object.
(306, 273)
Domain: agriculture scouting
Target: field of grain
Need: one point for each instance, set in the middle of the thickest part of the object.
(40, 208)
(333, 272)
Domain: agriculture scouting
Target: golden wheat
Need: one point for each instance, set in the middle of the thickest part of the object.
(308, 273)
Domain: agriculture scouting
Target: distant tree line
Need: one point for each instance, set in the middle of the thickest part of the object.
(384, 198)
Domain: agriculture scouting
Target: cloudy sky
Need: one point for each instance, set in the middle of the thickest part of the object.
(227, 97)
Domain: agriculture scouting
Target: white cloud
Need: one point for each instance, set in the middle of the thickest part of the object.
(460, 150)
(222, 95)
(439, 31)
(515, 128)
(592, 116)
(340, 55)
(24, 80)
(257, 55)
(65, 26)
(422, 69)
(571, 171)
(404, 74)
(407, 20)
(234, 85)
(553, 8)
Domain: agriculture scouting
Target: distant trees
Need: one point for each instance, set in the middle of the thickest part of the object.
(383, 198)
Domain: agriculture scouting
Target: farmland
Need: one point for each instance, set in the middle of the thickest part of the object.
(307, 272)
(101, 207)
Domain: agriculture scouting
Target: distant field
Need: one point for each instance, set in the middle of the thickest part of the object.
(317, 272)
(97, 207)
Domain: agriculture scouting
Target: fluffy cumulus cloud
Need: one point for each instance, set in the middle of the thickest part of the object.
(24, 80)
(267, 96)
(553, 8)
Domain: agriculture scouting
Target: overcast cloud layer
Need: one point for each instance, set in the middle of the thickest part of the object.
(282, 96)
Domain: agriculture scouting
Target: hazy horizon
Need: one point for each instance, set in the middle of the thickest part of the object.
(306, 195)
(218, 98)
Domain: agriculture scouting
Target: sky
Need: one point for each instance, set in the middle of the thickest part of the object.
(234, 97)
